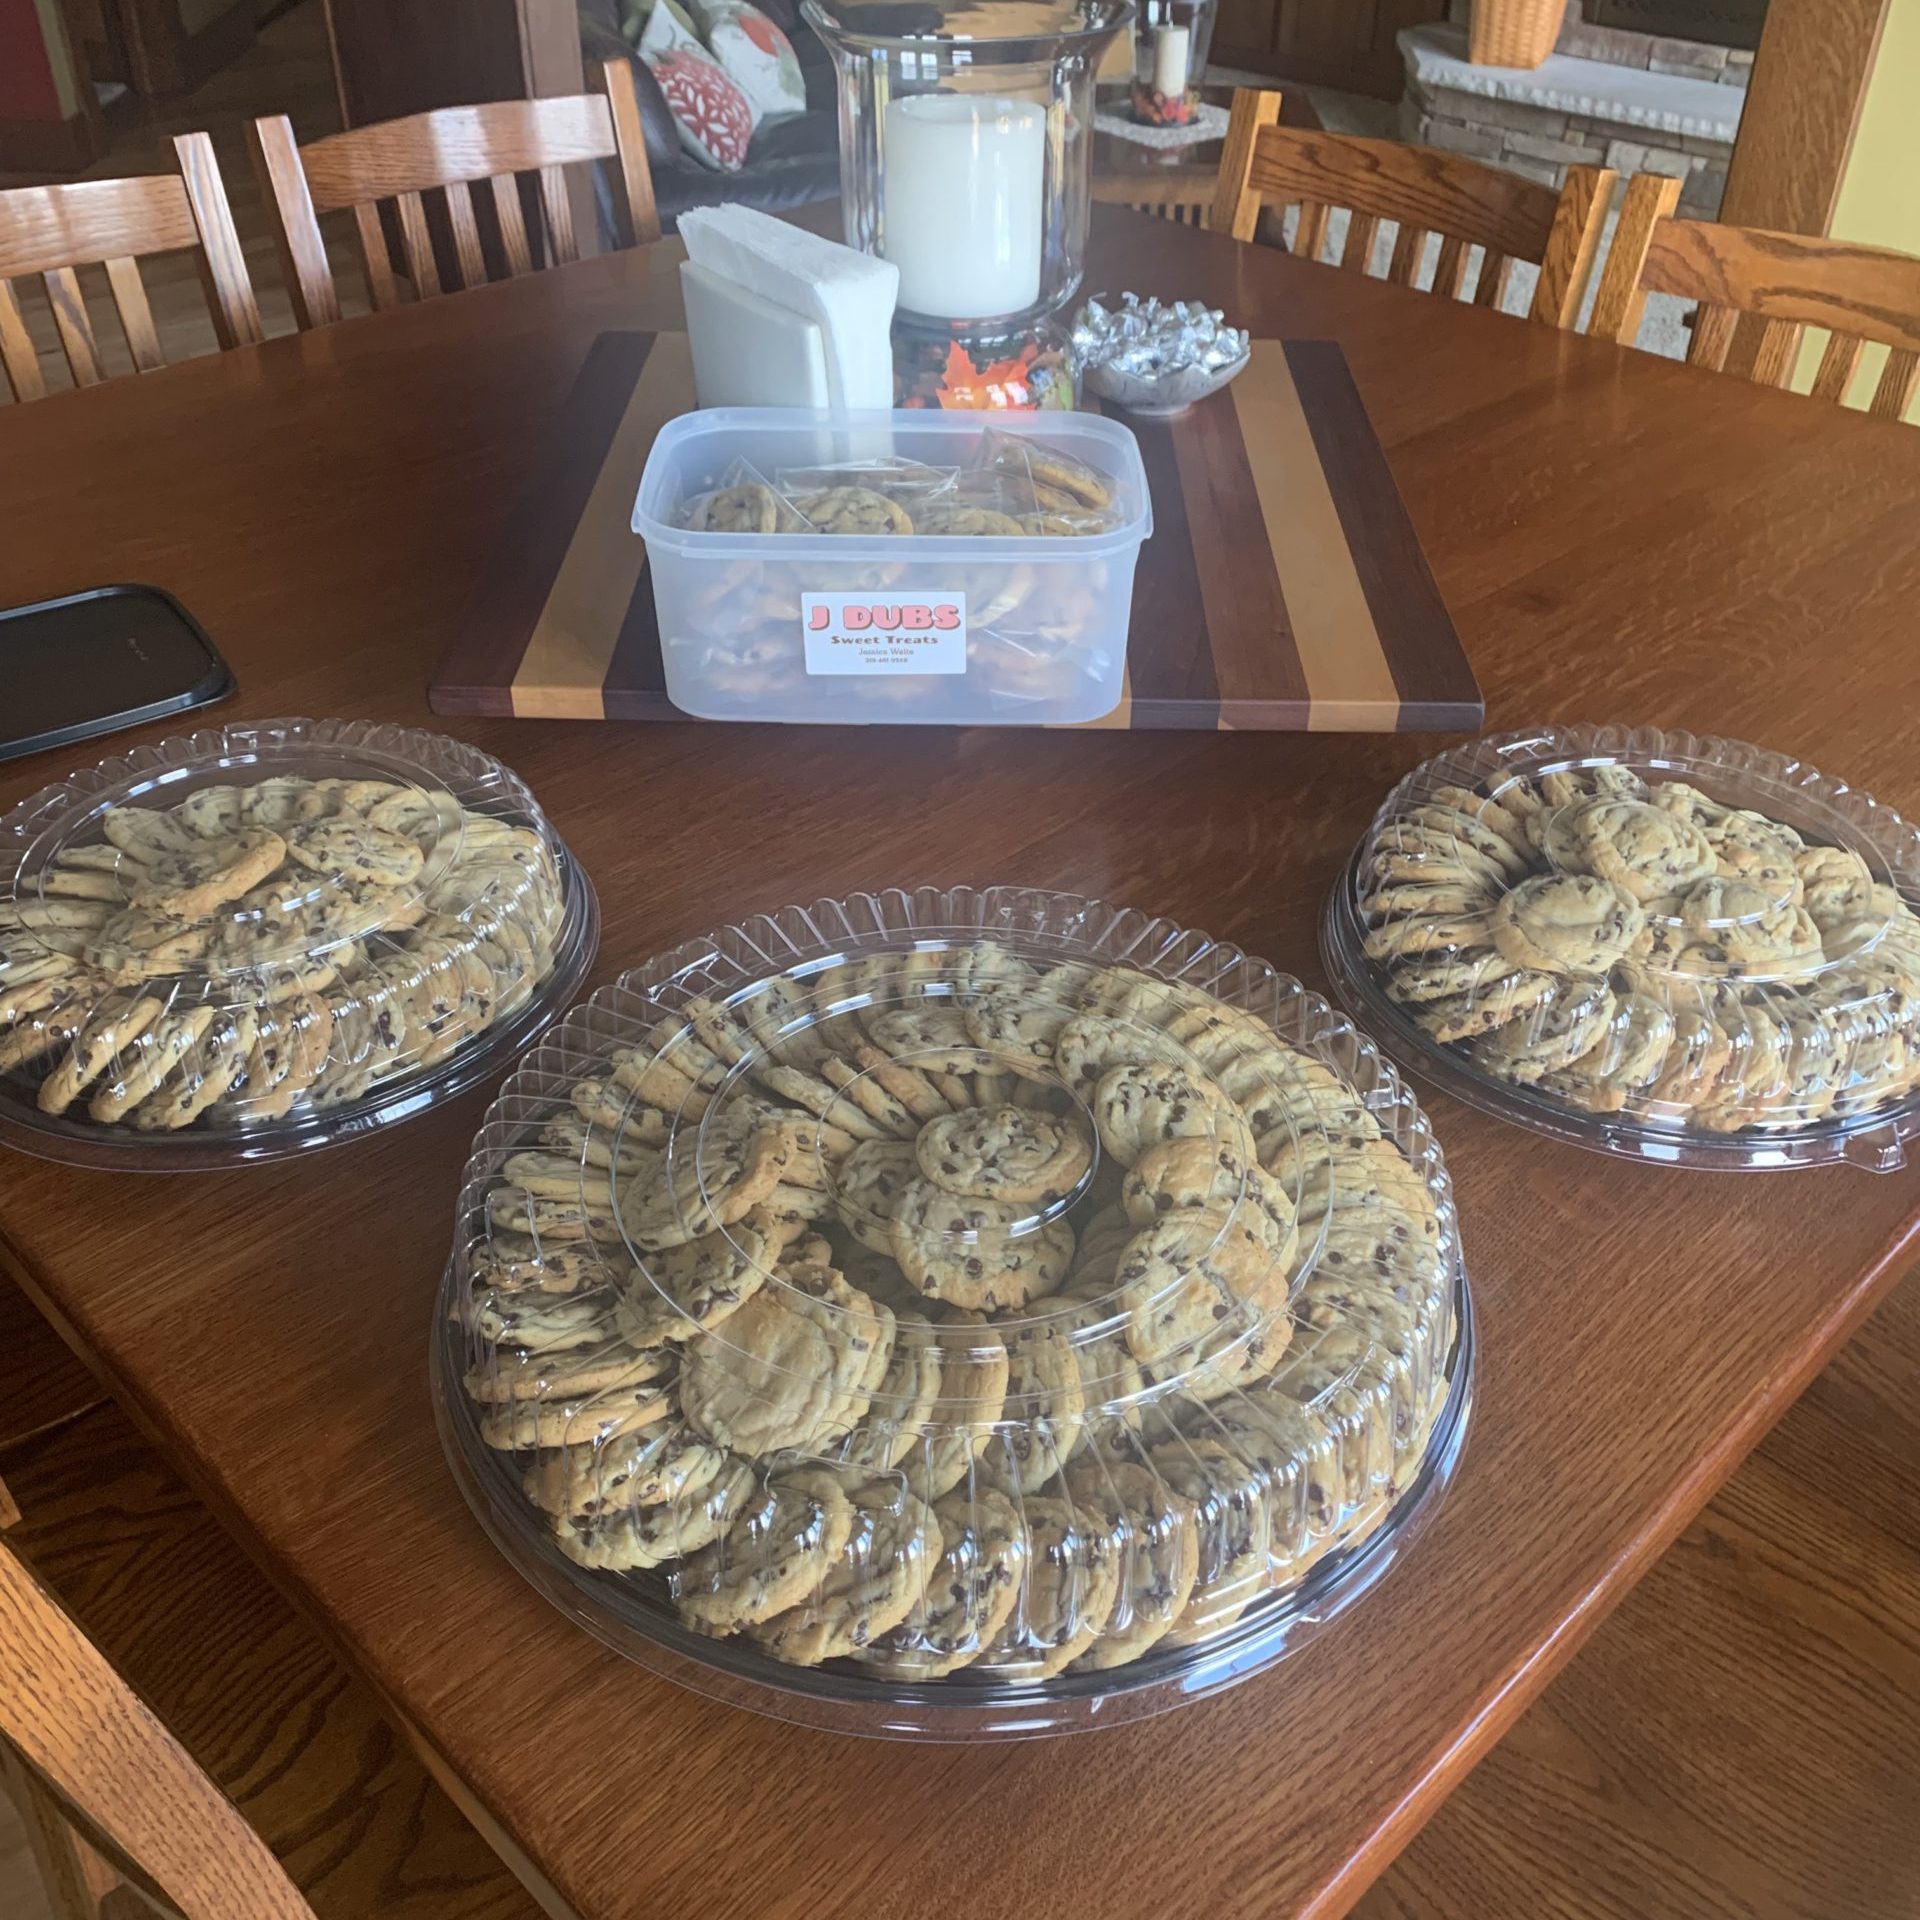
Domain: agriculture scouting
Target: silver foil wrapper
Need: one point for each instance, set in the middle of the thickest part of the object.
(1150, 339)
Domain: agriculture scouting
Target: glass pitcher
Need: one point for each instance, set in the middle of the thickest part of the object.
(966, 148)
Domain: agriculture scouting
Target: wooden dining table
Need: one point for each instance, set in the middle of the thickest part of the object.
(1619, 538)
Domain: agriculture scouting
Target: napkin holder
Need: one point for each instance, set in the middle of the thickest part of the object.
(752, 269)
(747, 350)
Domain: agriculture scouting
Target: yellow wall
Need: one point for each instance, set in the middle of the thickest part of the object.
(1879, 202)
(1880, 195)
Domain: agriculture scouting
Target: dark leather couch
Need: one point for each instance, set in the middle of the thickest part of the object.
(793, 161)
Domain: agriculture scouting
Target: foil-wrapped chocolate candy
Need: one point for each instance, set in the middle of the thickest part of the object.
(1154, 357)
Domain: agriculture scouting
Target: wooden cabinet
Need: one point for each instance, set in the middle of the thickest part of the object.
(392, 58)
(172, 48)
(1331, 43)
(395, 57)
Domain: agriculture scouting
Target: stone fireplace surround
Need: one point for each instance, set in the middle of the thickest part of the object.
(1606, 96)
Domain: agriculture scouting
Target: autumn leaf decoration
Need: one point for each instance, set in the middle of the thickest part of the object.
(1001, 383)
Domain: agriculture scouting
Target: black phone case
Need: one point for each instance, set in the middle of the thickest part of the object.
(215, 684)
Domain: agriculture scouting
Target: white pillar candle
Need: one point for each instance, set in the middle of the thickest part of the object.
(964, 182)
(1170, 63)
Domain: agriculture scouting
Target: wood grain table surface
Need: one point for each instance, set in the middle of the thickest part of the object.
(1618, 537)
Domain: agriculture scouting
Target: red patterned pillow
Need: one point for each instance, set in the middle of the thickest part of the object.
(711, 112)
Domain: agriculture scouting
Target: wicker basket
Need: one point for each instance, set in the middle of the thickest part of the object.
(1515, 33)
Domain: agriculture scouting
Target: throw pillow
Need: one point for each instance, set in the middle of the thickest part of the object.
(714, 117)
(755, 52)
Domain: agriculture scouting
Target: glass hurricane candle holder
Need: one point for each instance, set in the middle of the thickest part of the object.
(966, 148)
(1171, 39)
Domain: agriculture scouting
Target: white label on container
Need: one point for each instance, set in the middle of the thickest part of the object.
(884, 633)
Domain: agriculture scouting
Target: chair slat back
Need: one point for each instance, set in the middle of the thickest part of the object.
(136, 316)
(455, 143)
(1788, 281)
(513, 226)
(466, 233)
(19, 359)
(50, 231)
(43, 228)
(84, 1747)
(438, 157)
(1426, 192)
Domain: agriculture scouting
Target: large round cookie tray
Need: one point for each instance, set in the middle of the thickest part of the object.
(1668, 946)
(258, 940)
(1166, 1358)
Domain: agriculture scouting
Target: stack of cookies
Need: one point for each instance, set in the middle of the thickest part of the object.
(223, 953)
(1648, 935)
(958, 1309)
(1013, 487)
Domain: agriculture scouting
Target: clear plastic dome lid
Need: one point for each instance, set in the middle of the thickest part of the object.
(1687, 948)
(984, 1289)
(253, 939)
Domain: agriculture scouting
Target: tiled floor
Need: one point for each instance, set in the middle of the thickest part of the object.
(21, 1895)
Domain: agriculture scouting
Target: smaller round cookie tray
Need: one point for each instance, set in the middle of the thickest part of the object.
(956, 1314)
(256, 940)
(1683, 949)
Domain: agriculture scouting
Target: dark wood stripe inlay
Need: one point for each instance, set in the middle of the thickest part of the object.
(1430, 667)
(481, 663)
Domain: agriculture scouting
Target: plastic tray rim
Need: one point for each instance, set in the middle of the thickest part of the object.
(1269, 1627)
(1875, 1140)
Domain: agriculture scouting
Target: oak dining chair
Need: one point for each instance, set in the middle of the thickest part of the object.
(1189, 207)
(451, 150)
(53, 231)
(1425, 192)
(1782, 283)
(119, 1817)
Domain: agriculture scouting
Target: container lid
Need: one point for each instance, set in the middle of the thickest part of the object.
(255, 939)
(991, 1290)
(1657, 943)
(781, 481)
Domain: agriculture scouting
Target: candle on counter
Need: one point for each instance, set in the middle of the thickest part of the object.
(964, 184)
(1170, 62)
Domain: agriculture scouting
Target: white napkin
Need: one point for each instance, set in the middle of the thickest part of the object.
(849, 294)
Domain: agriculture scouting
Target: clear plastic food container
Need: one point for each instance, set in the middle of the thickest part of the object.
(953, 568)
(1659, 944)
(954, 1314)
(254, 940)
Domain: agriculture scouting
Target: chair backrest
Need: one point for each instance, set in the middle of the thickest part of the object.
(449, 150)
(1426, 192)
(90, 1756)
(1184, 205)
(1786, 281)
(50, 231)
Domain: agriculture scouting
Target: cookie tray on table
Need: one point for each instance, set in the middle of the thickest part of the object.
(256, 940)
(1670, 946)
(954, 1314)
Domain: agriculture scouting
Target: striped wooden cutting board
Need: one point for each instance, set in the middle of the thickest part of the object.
(1283, 586)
